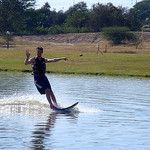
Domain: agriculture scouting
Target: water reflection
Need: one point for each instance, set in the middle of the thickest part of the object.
(43, 131)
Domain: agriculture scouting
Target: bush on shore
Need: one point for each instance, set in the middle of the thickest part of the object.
(119, 35)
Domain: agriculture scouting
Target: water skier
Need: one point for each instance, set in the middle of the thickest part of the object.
(38, 64)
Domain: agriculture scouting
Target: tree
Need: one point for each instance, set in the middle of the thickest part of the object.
(12, 15)
(48, 20)
(116, 13)
(32, 18)
(76, 7)
(132, 20)
(143, 9)
(77, 16)
(138, 15)
(105, 16)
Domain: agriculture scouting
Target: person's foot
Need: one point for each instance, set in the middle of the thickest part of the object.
(55, 104)
(54, 107)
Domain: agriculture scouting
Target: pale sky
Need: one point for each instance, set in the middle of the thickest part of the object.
(65, 4)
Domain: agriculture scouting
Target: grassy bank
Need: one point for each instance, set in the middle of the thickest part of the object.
(119, 61)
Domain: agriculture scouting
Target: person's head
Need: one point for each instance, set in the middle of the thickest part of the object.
(39, 51)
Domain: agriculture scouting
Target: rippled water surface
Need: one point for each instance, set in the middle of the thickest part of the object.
(114, 113)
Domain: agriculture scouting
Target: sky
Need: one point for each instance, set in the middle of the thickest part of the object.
(65, 4)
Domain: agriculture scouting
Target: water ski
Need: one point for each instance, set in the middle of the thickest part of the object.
(67, 109)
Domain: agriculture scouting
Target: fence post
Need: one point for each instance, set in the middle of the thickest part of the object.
(8, 33)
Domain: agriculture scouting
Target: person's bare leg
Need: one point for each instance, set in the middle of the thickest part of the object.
(47, 92)
(53, 97)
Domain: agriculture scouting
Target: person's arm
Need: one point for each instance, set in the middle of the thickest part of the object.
(55, 59)
(27, 60)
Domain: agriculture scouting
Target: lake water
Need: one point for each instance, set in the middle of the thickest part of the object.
(114, 113)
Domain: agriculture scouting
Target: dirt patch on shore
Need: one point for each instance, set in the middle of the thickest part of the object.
(74, 38)
(145, 36)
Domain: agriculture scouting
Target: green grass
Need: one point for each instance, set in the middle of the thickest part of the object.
(114, 64)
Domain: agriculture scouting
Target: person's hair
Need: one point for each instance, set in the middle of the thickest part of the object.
(40, 48)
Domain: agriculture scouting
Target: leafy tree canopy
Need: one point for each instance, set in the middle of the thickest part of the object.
(143, 9)
(20, 16)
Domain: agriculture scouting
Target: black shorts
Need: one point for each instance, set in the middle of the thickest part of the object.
(42, 83)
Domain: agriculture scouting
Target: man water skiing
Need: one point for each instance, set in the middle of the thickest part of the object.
(38, 71)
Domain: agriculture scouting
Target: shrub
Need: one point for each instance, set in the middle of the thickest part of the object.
(118, 34)
(41, 30)
(57, 29)
(70, 29)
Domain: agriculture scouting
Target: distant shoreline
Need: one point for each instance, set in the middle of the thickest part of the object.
(78, 73)
(84, 58)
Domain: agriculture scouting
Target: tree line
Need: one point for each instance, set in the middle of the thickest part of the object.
(20, 17)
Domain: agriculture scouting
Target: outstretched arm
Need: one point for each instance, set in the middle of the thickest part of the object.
(55, 59)
(27, 60)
